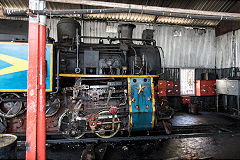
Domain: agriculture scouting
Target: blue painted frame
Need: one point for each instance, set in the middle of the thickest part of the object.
(17, 81)
(141, 103)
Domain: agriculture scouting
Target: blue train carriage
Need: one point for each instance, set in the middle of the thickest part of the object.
(13, 75)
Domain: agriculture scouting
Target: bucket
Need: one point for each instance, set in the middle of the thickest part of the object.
(8, 146)
(193, 108)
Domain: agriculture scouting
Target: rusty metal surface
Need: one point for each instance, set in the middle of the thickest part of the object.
(18, 123)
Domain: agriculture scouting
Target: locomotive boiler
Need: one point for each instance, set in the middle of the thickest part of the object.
(93, 88)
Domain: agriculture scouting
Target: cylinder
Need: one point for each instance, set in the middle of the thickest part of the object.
(148, 34)
(8, 146)
(66, 30)
(193, 108)
(126, 31)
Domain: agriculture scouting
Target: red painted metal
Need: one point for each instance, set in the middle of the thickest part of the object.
(162, 88)
(32, 93)
(41, 123)
(169, 84)
(172, 88)
(175, 89)
(198, 88)
(36, 96)
(162, 84)
(205, 88)
(168, 88)
(92, 119)
(113, 110)
(185, 100)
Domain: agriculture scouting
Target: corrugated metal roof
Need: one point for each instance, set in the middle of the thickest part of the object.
(207, 5)
(122, 17)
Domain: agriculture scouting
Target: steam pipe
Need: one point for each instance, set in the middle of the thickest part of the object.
(163, 58)
(58, 70)
(115, 39)
(77, 69)
(17, 12)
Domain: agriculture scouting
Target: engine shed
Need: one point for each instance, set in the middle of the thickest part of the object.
(118, 79)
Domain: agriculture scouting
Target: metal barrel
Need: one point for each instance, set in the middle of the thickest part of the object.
(126, 31)
(66, 30)
(8, 146)
(193, 108)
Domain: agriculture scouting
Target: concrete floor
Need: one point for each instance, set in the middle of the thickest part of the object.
(189, 148)
(203, 118)
(224, 147)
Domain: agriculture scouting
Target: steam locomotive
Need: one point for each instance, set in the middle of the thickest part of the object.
(92, 88)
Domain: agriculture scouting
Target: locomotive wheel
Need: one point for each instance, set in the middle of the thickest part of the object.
(109, 127)
(71, 130)
(52, 106)
(10, 109)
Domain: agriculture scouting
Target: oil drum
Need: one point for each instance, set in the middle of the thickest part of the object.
(8, 146)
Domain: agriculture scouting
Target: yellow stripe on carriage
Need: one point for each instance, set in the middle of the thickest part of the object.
(130, 103)
(110, 76)
(19, 90)
(51, 69)
(25, 90)
(18, 64)
(153, 103)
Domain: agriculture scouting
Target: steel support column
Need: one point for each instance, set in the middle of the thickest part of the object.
(41, 127)
(35, 131)
(32, 93)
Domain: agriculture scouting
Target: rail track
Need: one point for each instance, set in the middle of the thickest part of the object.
(232, 129)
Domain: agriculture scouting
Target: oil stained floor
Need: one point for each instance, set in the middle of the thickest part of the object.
(226, 147)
